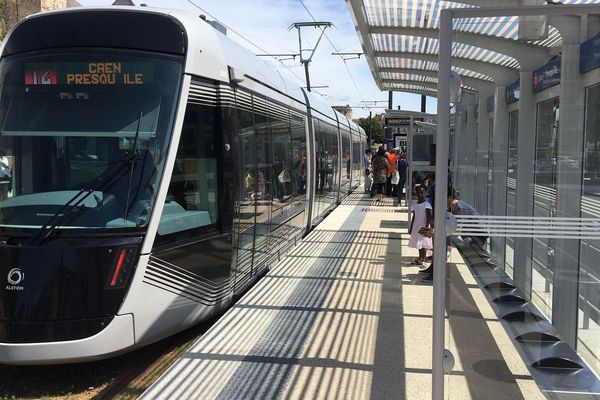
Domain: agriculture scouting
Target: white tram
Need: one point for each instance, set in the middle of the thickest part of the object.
(156, 169)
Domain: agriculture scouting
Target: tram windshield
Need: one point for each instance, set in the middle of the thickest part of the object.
(83, 137)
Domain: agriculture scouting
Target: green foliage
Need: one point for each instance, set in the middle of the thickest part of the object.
(377, 128)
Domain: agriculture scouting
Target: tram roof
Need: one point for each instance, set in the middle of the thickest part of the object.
(400, 41)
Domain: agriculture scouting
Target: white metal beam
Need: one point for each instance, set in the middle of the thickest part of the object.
(471, 82)
(521, 51)
(497, 72)
(427, 72)
(414, 91)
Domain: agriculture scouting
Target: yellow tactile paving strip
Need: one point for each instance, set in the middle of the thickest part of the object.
(344, 316)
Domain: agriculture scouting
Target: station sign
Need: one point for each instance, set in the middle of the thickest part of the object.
(402, 121)
(398, 121)
(401, 142)
(589, 54)
(547, 76)
(513, 92)
(89, 73)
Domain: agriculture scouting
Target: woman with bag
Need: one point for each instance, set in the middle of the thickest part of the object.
(379, 167)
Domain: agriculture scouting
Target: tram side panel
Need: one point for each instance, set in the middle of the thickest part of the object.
(232, 142)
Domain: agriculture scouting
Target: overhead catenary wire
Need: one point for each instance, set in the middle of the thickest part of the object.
(337, 51)
(287, 67)
(245, 38)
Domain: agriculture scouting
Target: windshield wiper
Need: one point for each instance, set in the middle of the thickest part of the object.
(69, 210)
(137, 132)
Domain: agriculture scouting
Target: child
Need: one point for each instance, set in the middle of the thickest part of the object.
(421, 218)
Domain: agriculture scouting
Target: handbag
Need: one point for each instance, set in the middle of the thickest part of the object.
(284, 177)
(395, 177)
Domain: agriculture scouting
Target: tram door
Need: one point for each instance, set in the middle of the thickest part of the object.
(253, 204)
(248, 191)
(194, 232)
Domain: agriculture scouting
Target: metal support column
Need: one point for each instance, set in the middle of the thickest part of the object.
(525, 180)
(499, 157)
(481, 160)
(467, 152)
(441, 175)
(568, 188)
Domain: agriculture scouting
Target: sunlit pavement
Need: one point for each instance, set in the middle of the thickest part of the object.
(345, 315)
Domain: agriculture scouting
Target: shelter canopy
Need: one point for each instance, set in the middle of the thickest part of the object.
(400, 41)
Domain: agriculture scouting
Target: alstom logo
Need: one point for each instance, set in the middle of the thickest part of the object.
(15, 276)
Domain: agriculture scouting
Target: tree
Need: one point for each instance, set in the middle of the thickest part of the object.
(377, 132)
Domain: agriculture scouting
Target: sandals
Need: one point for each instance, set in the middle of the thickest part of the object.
(416, 261)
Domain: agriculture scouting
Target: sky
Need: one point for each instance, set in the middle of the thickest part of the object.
(263, 26)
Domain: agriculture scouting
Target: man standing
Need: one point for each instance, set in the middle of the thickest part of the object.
(393, 160)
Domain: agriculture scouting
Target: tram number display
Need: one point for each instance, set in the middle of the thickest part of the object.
(40, 77)
(91, 73)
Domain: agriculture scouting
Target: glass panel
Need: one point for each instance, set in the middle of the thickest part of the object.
(422, 148)
(511, 184)
(331, 165)
(490, 168)
(245, 212)
(298, 126)
(588, 334)
(544, 204)
(192, 195)
(345, 183)
(282, 180)
(552, 200)
(282, 161)
(265, 181)
(73, 121)
(357, 154)
(320, 185)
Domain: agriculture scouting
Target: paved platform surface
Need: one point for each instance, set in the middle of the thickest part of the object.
(345, 316)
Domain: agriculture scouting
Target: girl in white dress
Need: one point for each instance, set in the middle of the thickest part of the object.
(421, 218)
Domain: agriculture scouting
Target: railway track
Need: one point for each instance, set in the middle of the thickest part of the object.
(122, 377)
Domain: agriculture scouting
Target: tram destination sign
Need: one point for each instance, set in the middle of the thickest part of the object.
(89, 73)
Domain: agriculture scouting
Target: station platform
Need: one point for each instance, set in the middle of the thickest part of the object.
(345, 316)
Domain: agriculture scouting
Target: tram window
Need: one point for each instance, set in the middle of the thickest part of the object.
(192, 201)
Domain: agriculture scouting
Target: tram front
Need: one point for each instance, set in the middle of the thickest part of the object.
(85, 122)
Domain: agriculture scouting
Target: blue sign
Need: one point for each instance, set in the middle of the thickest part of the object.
(490, 104)
(589, 54)
(513, 92)
(547, 76)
